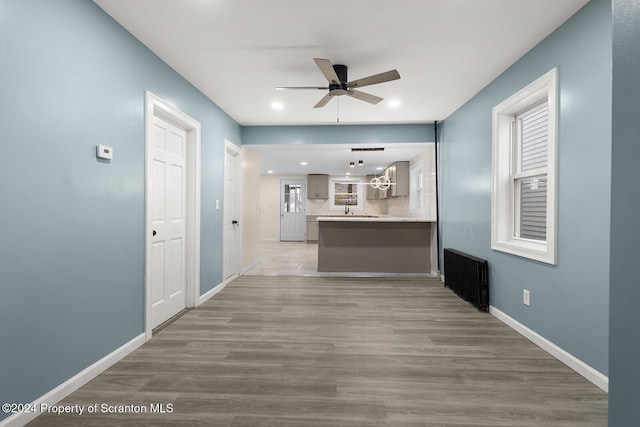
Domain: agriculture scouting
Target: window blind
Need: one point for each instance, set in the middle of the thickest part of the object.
(533, 146)
(533, 208)
(533, 189)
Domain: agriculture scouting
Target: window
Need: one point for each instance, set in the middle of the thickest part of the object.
(530, 175)
(523, 217)
(346, 192)
(292, 198)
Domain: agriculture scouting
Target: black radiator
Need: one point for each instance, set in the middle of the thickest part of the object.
(468, 277)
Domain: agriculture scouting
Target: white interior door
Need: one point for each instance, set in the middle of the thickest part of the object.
(292, 210)
(168, 211)
(231, 214)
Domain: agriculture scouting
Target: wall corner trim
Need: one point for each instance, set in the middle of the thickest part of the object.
(591, 374)
(74, 383)
(204, 297)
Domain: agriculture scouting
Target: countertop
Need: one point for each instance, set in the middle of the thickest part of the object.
(355, 218)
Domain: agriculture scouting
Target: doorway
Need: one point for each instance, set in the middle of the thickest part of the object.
(292, 210)
(232, 211)
(172, 218)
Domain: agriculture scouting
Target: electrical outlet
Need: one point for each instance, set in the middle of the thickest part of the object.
(526, 297)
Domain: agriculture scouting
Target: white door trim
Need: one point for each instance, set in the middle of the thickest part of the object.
(237, 256)
(157, 107)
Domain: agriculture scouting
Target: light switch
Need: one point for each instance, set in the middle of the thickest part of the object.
(104, 152)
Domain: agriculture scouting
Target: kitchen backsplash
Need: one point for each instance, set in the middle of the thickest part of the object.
(398, 206)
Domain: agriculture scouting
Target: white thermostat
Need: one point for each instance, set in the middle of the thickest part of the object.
(104, 152)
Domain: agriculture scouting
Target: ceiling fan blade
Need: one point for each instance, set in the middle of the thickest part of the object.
(300, 87)
(324, 100)
(371, 99)
(327, 69)
(375, 79)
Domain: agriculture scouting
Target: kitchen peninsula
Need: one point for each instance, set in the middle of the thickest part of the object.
(370, 244)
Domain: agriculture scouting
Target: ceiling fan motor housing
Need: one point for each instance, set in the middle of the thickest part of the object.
(341, 71)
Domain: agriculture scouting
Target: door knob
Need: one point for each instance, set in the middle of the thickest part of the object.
(234, 222)
(154, 232)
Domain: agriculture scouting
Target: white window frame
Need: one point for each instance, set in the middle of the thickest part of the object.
(351, 180)
(503, 206)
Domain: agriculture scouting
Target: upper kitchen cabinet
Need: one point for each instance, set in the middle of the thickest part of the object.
(318, 187)
(374, 193)
(398, 174)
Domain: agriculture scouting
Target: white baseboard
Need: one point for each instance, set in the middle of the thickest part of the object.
(230, 279)
(74, 383)
(250, 266)
(591, 374)
(204, 297)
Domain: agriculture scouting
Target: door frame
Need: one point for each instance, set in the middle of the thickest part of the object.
(230, 147)
(157, 107)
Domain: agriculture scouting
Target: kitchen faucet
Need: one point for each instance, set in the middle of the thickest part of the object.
(347, 204)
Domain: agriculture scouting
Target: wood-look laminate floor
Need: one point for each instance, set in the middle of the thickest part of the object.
(317, 351)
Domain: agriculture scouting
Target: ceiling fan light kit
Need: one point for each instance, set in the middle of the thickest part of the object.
(339, 85)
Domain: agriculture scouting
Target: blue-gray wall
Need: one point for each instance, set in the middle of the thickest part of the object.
(569, 301)
(71, 227)
(352, 134)
(624, 364)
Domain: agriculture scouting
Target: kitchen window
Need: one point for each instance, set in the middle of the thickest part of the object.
(523, 216)
(346, 192)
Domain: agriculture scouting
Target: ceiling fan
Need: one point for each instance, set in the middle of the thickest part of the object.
(336, 75)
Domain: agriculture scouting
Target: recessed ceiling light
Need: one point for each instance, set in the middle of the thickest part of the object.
(269, 171)
(394, 103)
(348, 173)
(379, 168)
(303, 163)
(277, 105)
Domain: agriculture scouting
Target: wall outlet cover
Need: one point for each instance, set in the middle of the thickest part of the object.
(526, 297)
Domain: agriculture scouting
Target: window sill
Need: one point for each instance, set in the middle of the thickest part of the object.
(526, 249)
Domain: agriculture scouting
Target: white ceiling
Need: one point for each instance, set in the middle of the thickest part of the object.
(237, 51)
